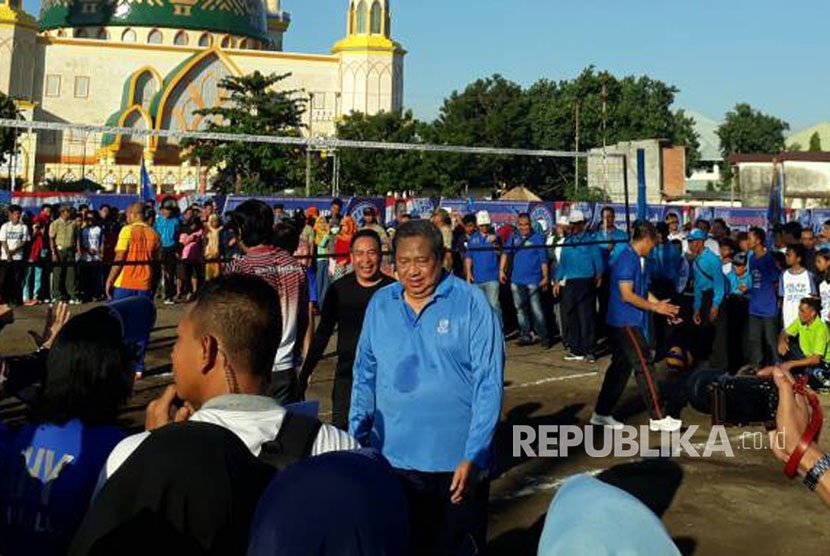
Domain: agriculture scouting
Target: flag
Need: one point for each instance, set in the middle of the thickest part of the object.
(775, 212)
(148, 193)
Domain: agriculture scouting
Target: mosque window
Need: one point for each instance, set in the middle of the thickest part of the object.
(243, 44)
(81, 87)
(81, 34)
(103, 35)
(377, 16)
(53, 85)
(155, 37)
(362, 16)
(61, 33)
(128, 36)
(227, 43)
(180, 39)
(205, 40)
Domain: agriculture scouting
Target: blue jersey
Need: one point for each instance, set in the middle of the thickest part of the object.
(632, 269)
(528, 263)
(485, 263)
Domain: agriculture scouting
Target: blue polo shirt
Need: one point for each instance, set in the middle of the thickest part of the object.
(609, 255)
(527, 263)
(628, 267)
(485, 263)
(666, 261)
(168, 230)
(579, 261)
(763, 296)
(428, 388)
(708, 273)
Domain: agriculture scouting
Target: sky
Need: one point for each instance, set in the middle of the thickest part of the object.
(772, 54)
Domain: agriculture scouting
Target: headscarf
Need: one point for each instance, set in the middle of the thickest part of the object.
(335, 504)
(312, 211)
(189, 488)
(348, 227)
(588, 516)
(321, 230)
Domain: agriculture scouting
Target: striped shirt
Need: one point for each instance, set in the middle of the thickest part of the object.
(287, 276)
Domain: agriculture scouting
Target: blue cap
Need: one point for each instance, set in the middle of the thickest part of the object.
(697, 235)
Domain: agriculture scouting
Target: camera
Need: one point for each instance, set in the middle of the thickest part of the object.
(738, 401)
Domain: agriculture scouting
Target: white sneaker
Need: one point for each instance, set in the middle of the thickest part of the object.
(668, 424)
(606, 421)
(572, 357)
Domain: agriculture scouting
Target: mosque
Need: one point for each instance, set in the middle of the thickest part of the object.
(149, 64)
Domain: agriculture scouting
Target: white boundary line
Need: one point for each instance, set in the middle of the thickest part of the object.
(552, 379)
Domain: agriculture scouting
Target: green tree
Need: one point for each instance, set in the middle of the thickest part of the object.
(746, 130)
(815, 142)
(376, 172)
(8, 111)
(490, 112)
(749, 131)
(252, 106)
(635, 108)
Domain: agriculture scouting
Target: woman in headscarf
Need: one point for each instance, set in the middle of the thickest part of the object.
(342, 245)
(49, 469)
(336, 504)
(322, 240)
(190, 488)
(588, 516)
(212, 247)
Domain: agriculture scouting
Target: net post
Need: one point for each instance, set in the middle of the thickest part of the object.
(625, 191)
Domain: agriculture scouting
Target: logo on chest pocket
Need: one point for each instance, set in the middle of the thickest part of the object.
(443, 327)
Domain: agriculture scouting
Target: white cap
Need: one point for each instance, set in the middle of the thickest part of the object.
(576, 217)
(563, 221)
(483, 218)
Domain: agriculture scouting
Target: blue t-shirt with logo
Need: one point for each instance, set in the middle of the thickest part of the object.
(527, 263)
(485, 263)
(49, 473)
(763, 297)
(629, 267)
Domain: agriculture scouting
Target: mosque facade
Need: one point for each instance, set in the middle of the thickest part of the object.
(150, 64)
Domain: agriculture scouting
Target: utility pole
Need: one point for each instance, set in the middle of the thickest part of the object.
(13, 158)
(308, 146)
(576, 147)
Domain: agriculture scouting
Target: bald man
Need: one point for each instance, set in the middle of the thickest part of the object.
(137, 243)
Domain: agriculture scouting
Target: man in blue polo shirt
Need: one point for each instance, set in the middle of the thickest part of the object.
(629, 303)
(481, 261)
(578, 275)
(709, 293)
(427, 391)
(528, 280)
(764, 273)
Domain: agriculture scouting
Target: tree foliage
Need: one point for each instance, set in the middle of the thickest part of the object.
(749, 131)
(9, 111)
(815, 142)
(253, 106)
(377, 172)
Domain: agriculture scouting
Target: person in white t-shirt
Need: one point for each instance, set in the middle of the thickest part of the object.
(92, 277)
(823, 278)
(796, 284)
(14, 236)
(227, 340)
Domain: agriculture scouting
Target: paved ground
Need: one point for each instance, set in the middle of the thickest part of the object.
(716, 505)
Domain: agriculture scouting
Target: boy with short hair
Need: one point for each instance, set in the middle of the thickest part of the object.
(796, 284)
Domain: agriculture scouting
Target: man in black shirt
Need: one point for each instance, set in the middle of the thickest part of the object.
(345, 306)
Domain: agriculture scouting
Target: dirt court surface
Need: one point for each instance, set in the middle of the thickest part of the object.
(717, 505)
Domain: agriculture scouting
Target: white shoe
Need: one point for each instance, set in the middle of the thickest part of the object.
(667, 424)
(572, 357)
(606, 421)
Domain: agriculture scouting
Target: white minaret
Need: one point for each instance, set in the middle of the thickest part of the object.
(278, 23)
(371, 63)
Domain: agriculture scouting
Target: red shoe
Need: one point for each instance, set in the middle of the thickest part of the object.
(32, 303)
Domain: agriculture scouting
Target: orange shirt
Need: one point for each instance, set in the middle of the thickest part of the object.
(141, 242)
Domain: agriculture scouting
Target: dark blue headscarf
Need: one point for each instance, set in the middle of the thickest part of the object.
(335, 504)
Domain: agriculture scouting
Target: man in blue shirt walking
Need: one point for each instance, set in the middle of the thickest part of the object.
(762, 334)
(481, 261)
(709, 292)
(629, 303)
(577, 276)
(528, 280)
(168, 230)
(428, 388)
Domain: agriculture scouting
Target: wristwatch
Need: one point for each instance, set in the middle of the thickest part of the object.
(819, 469)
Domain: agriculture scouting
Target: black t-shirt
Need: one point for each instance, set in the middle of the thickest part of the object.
(344, 306)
